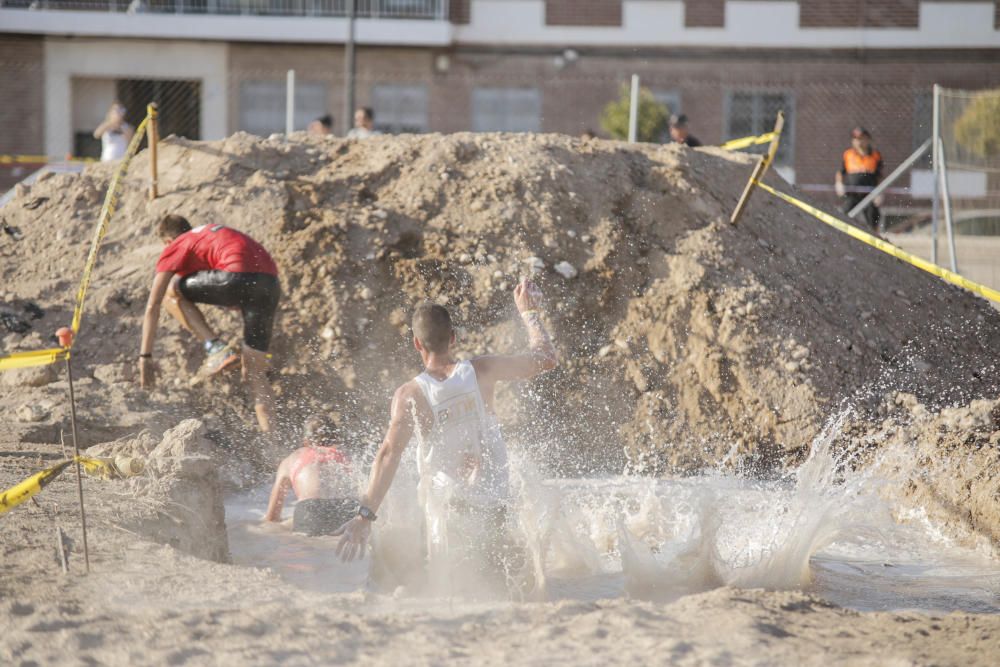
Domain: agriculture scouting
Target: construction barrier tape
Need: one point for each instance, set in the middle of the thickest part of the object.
(43, 357)
(108, 210)
(34, 358)
(746, 142)
(40, 159)
(886, 247)
(19, 493)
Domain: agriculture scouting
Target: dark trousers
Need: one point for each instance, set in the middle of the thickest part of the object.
(872, 215)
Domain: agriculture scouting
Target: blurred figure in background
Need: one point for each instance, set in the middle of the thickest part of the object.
(860, 171)
(320, 476)
(679, 131)
(321, 126)
(364, 124)
(114, 134)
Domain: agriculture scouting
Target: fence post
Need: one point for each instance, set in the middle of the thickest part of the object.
(153, 137)
(935, 165)
(633, 110)
(290, 104)
(946, 205)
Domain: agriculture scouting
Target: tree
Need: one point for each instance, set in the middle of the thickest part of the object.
(652, 120)
(978, 128)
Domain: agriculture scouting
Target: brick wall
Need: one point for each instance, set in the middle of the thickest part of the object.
(22, 114)
(22, 63)
(704, 13)
(583, 12)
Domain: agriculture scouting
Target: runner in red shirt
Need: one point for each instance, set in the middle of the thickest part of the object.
(220, 266)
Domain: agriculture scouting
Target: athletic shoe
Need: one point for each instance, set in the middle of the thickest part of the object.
(220, 356)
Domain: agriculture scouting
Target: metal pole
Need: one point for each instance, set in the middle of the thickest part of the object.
(946, 204)
(76, 451)
(633, 110)
(935, 161)
(290, 104)
(897, 172)
(349, 67)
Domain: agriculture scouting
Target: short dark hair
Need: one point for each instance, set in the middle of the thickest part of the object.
(368, 112)
(432, 326)
(678, 120)
(326, 121)
(172, 226)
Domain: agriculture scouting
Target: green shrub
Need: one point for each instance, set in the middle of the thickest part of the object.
(652, 120)
(978, 128)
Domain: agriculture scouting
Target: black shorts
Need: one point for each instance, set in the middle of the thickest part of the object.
(322, 516)
(255, 294)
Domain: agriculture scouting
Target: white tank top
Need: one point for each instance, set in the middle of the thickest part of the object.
(113, 145)
(463, 455)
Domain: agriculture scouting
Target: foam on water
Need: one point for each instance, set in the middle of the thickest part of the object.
(820, 529)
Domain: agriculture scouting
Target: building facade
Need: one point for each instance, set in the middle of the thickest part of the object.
(219, 66)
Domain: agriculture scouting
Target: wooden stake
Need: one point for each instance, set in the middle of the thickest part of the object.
(759, 169)
(153, 137)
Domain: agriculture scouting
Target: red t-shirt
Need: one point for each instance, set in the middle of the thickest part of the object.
(218, 248)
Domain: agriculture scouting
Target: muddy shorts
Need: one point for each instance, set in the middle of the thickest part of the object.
(322, 516)
(255, 294)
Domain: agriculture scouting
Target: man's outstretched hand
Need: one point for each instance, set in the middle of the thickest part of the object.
(527, 296)
(353, 539)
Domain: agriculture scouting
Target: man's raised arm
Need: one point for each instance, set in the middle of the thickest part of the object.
(541, 355)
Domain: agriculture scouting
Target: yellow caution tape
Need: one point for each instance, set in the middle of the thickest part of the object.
(43, 357)
(886, 247)
(33, 358)
(108, 210)
(19, 493)
(745, 142)
(40, 159)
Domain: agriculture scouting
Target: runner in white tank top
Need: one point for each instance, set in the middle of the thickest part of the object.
(451, 403)
(463, 451)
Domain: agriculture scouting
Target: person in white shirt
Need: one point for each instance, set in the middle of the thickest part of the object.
(364, 124)
(461, 460)
(114, 133)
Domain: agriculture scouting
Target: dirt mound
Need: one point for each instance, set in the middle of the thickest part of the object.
(680, 335)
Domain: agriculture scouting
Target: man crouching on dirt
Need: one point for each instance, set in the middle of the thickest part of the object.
(220, 266)
(462, 460)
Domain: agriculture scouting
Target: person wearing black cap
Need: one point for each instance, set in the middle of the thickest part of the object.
(679, 131)
(860, 171)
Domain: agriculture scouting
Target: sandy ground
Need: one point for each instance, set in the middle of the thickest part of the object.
(683, 339)
(152, 604)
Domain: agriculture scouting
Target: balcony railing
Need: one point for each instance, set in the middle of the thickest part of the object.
(393, 9)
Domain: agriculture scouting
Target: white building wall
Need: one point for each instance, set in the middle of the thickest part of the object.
(117, 59)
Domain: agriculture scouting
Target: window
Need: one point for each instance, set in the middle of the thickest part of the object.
(506, 110)
(400, 109)
(262, 105)
(670, 98)
(750, 113)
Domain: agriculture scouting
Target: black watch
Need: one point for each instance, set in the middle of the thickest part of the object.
(366, 513)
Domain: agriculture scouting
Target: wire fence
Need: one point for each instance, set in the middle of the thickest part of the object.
(488, 93)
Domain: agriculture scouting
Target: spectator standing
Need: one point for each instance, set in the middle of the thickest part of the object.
(321, 126)
(679, 131)
(364, 124)
(114, 133)
(860, 171)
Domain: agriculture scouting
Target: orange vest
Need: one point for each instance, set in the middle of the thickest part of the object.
(856, 163)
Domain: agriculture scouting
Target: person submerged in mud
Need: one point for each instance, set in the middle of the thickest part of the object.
(462, 460)
(220, 266)
(320, 476)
